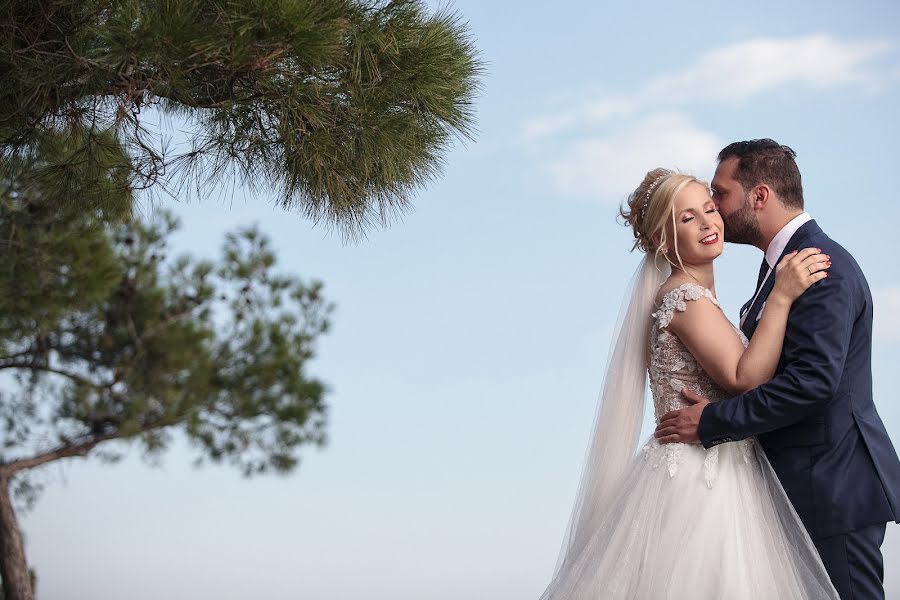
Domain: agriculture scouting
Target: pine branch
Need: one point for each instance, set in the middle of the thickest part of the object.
(344, 107)
(64, 451)
(36, 366)
(81, 448)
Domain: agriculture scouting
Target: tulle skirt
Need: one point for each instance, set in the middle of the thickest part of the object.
(698, 524)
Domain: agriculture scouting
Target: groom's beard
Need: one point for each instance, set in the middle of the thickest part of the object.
(741, 226)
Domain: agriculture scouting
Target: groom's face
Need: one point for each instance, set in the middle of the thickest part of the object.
(735, 206)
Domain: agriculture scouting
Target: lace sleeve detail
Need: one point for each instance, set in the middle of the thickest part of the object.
(675, 299)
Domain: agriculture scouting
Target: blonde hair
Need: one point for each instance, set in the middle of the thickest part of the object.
(651, 207)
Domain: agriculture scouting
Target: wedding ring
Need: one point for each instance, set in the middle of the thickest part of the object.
(808, 268)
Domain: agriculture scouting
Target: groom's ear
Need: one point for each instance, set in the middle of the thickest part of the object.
(760, 196)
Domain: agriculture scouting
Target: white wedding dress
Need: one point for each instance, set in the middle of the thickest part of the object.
(683, 522)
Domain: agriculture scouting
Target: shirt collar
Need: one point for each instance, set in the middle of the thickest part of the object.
(779, 242)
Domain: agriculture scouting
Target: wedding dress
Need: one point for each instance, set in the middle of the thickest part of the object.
(678, 521)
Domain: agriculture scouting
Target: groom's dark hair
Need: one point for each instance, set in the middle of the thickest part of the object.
(767, 161)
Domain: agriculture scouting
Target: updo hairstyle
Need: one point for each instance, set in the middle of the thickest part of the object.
(651, 207)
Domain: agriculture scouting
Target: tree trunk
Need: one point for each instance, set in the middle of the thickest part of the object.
(13, 566)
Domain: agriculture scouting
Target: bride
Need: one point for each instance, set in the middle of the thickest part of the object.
(678, 521)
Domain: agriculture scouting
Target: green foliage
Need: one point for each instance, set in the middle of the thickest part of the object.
(111, 339)
(56, 259)
(346, 107)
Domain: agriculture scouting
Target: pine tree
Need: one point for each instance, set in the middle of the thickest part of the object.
(343, 107)
(109, 339)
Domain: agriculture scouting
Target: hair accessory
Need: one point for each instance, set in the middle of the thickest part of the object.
(650, 193)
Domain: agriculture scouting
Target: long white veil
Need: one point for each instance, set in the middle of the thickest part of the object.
(620, 412)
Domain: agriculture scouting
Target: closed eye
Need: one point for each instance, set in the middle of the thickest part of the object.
(688, 218)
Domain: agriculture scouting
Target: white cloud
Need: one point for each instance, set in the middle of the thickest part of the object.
(742, 71)
(603, 146)
(887, 314)
(733, 74)
(611, 166)
(588, 113)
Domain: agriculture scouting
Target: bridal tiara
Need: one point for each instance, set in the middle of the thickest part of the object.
(649, 193)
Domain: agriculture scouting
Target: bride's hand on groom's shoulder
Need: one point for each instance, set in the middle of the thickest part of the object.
(797, 271)
(680, 426)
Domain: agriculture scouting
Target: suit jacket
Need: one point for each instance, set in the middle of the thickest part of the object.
(816, 419)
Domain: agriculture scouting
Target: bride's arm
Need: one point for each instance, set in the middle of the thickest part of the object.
(711, 339)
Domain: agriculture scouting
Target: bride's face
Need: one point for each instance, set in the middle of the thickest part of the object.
(698, 225)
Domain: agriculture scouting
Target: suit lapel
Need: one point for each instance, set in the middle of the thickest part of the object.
(797, 242)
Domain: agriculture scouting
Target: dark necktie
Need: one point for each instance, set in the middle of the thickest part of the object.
(763, 269)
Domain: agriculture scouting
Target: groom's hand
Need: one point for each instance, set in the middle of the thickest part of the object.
(681, 425)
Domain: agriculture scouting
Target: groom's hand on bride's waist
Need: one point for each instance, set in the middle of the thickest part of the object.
(681, 425)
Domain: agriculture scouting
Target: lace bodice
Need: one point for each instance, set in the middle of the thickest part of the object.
(672, 368)
(671, 365)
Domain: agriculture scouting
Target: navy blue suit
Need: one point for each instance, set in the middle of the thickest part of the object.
(817, 422)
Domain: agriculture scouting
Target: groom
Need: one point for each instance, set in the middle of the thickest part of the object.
(815, 419)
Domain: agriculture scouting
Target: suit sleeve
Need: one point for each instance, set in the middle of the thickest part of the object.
(816, 344)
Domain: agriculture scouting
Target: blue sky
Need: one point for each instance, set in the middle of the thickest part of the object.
(470, 338)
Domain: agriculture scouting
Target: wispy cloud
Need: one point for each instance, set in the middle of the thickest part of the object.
(887, 314)
(597, 166)
(743, 71)
(616, 128)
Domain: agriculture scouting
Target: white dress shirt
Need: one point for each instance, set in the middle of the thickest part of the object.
(776, 247)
